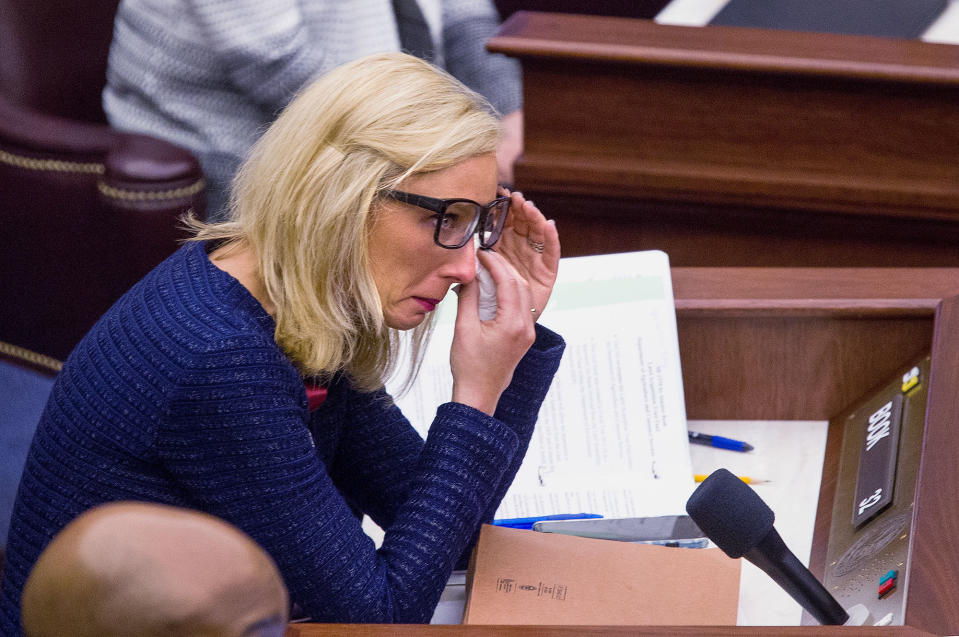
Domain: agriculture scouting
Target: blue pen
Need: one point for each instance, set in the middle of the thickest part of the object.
(527, 523)
(719, 442)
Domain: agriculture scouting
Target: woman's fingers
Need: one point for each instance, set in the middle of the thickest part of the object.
(512, 290)
(528, 229)
(517, 220)
(550, 240)
(485, 353)
(467, 303)
(541, 233)
(531, 244)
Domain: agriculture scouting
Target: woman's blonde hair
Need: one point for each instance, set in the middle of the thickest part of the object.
(305, 198)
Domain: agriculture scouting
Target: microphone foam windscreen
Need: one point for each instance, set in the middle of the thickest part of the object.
(730, 513)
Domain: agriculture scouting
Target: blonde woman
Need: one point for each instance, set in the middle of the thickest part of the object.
(244, 376)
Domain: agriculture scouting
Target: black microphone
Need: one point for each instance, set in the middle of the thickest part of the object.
(741, 524)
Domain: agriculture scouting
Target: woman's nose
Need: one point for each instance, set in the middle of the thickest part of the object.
(461, 265)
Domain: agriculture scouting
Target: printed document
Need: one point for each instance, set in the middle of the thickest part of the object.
(611, 436)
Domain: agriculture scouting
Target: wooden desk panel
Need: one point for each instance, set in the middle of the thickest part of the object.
(380, 630)
(713, 235)
(799, 343)
(730, 146)
(935, 519)
(805, 343)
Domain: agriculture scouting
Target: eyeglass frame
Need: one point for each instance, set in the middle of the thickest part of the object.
(439, 206)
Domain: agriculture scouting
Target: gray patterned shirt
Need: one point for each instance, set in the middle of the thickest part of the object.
(211, 75)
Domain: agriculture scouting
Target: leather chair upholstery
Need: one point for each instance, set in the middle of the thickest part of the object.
(86, 210)
(53, 55)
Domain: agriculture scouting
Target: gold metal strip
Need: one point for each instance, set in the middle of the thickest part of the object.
(52, 165)
(147, 195)
(29, 356)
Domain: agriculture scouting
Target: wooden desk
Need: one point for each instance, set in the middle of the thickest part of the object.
(803, 344)
(366, 630)
(735, 147)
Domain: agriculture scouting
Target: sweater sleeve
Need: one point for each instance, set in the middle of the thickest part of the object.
(379, 447)
(236, 439)
(467, 25)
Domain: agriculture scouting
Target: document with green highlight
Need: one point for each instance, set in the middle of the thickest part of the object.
(611, 437)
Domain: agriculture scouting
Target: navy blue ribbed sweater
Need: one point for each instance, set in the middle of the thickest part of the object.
(180, 395)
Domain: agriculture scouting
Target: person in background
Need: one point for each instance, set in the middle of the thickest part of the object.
(211, 76)
(143, 570)
(244, 376)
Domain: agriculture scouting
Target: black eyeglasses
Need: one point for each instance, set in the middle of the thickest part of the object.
(458, 219)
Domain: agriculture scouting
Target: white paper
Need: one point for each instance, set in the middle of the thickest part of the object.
(611, 436)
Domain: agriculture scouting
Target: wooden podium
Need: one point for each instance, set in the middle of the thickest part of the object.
(804, 344)
(727, 146)
(735, 147)
(797, 344)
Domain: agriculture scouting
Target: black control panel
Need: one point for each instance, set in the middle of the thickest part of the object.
(867, 558)
(878, 452)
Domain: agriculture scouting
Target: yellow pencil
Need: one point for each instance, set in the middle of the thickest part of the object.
(699, 477)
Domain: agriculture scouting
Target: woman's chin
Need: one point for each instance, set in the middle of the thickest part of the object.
(405, 321)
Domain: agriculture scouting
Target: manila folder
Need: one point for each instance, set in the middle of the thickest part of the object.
(527, 577)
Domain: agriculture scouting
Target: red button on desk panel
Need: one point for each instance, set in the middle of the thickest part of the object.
(887, 587)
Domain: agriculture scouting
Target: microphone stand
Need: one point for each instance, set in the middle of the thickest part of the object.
(772, 556)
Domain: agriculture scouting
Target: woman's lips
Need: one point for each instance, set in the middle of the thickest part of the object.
(428, 304)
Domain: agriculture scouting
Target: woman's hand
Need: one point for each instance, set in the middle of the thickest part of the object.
(485, 353)
(531, 244)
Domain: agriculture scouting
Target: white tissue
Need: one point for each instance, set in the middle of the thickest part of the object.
(487, 293)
